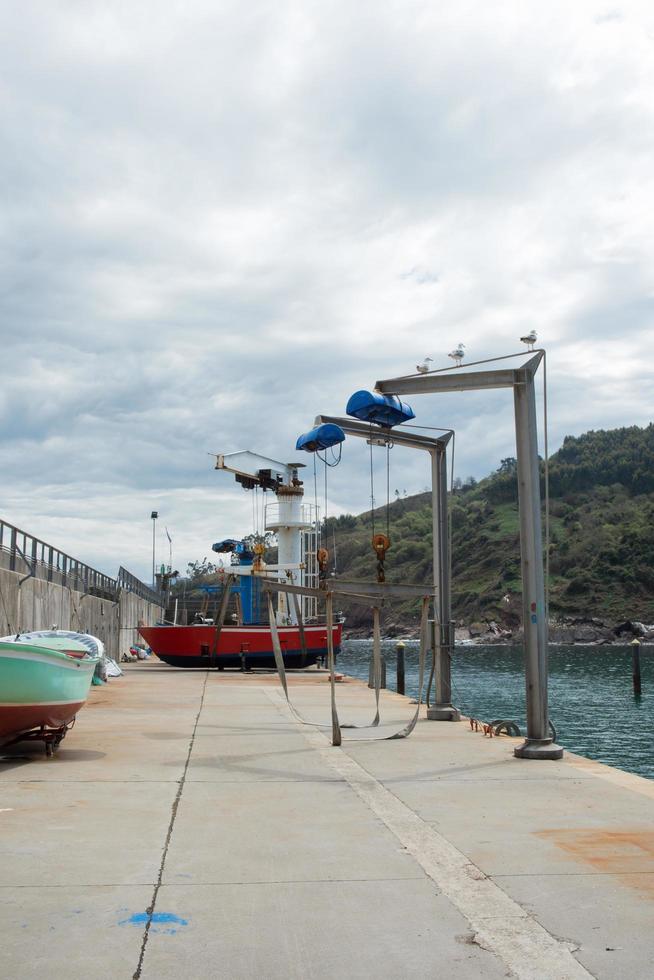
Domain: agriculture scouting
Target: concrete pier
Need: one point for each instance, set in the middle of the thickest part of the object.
(190, 826)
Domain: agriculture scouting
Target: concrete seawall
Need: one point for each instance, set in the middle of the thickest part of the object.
(33, 603)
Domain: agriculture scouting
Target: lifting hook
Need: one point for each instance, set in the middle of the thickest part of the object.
(380, 545)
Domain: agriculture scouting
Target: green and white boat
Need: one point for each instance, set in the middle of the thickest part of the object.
(42, 689)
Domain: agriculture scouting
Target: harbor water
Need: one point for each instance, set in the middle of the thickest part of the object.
(591, 699)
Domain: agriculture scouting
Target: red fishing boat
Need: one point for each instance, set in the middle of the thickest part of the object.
(238, 646)
(243, 638)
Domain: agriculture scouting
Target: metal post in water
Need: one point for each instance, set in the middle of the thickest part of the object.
(399, 649)
(635, 661)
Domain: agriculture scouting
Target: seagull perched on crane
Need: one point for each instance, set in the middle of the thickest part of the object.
(458, 354)
(530, 339)
(424, 367)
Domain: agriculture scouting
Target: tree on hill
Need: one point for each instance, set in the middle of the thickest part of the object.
(601, 540)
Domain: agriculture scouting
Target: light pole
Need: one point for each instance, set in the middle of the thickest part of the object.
(170, 551)
(154, 515)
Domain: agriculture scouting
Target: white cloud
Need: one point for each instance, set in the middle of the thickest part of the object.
(221, 220)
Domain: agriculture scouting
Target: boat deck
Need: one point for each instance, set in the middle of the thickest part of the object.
(190, 826)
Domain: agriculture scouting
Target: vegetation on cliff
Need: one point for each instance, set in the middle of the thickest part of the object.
(601, 535)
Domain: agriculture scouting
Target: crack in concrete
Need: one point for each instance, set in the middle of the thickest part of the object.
(173, 816)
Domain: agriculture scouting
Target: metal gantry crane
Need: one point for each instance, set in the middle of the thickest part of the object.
(539, 743)
(443, 635)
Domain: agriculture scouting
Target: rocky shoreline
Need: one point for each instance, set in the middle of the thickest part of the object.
(570, 631)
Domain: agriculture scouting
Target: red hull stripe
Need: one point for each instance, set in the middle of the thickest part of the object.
(23, 717)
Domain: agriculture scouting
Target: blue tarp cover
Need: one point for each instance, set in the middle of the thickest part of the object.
(386, 410)
(322, 437)
(222, 547)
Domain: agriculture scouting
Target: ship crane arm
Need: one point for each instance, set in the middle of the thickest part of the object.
(252, 469)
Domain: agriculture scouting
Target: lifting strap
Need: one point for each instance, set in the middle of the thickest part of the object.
(376, 659)
(335, 725)
(300, 626)
(279, 662)
(329, 615)
(424, 644)
(222, 612)
(239, 608)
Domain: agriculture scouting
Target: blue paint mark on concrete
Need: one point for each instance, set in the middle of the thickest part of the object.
(138, 919)
(159, 919)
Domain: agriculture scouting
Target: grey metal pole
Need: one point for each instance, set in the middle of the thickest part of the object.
(442, 708)
(635, 664)
(399, 650)
(539, 743)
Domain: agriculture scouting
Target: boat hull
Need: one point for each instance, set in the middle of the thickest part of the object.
(17, 719)
(238, 646)
(40, 688)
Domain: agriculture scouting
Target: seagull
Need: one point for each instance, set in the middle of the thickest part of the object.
(424, 367)
(458, 354)
(530, 339)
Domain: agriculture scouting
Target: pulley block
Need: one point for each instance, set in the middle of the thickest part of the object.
(322, 556)
(380, 545)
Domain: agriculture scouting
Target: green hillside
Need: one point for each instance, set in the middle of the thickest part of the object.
(601, 539)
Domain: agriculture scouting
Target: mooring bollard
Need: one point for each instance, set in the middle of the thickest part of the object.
(635, 662)
(399, 649)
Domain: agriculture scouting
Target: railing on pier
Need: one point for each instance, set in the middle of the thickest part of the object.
(20, 551)
(130, 583)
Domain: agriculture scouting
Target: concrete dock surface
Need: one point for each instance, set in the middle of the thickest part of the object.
(190, 826)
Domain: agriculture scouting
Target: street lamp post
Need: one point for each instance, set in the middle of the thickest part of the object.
(154, 515)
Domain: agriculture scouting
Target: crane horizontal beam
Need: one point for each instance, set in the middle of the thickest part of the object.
(462, 378)
(251, 465)
(398, 436)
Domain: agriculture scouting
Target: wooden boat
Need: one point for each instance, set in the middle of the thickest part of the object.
(56, 639)
(65, 644)
(41, 691)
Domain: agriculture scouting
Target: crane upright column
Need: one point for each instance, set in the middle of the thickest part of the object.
(443, 636)
(539, 743)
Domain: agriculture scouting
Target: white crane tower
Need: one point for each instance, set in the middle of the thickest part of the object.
(294, 522)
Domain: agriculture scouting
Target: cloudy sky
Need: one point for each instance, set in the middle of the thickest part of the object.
(222, 218)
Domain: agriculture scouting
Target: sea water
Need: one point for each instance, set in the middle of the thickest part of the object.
(592, 704)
